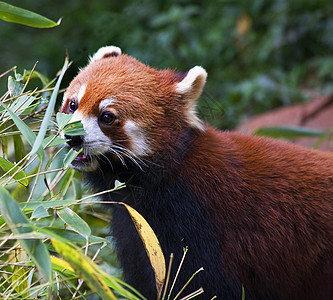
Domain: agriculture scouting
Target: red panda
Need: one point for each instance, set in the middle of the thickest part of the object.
(255, 213)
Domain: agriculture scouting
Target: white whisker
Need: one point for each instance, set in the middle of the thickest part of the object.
(104, 156)
(101, 148)
(130, 155)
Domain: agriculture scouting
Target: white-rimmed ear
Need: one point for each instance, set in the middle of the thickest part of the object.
(104, 52)
(190, 89)
(192, 84)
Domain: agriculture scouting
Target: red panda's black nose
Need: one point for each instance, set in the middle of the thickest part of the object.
(74, 141)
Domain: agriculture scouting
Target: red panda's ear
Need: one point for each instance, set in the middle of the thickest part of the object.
(192, 84)
(105, 52)
(190, 89)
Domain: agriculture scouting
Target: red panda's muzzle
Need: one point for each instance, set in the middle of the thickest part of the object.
(82, 158)
(76, 143)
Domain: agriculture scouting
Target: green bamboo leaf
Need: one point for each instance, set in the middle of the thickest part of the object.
(15, 87)
(20, 281)
(8, 166)
(19, 224)
(21, 103)
(57, 141)
(74, 221)
(70, 156)
(46, 204)
(77, 185)
(39, 212)
(289, 132)
(85, 268)
(18, 147)
(4, 143)
(74, 128)
(96, 278)
(24, 128)
(73, 236)
(10, 13)
(27, 73)
(49, 111)
(63, 119)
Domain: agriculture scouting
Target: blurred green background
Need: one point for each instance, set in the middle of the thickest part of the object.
(259, 54)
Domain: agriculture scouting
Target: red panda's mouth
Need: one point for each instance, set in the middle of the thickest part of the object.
(84, 162)
(81, 158)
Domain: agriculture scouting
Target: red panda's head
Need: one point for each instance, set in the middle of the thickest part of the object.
(129, 110)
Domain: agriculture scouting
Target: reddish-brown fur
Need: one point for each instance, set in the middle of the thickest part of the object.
(254, 212)
(276, 210)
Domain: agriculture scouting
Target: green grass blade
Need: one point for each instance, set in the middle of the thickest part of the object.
(10, 13)
(19, 224)
(49, 111)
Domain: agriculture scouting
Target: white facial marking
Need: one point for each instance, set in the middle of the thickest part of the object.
(81, 92)
(77, 116)
(95, 141)
(106, 103)
(139, 145)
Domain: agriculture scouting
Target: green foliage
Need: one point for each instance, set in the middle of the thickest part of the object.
(18, 15)
(19, 225)
(259, 54)
(39, 196)
(43, 209)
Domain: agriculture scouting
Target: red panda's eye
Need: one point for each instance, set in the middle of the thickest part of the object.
(72, 105)
(107, 118)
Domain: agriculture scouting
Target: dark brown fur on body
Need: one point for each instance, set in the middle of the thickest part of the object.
(270, 222)
(272, 203)
(254, 212)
